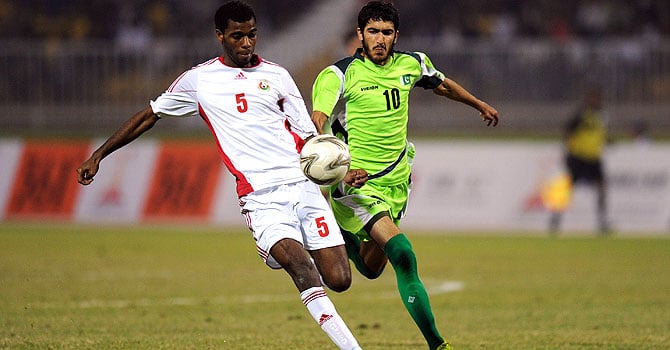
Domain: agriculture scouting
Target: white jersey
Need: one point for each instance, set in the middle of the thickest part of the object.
(257, 115)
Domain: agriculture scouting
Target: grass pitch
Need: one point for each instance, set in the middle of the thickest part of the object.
(85, 287)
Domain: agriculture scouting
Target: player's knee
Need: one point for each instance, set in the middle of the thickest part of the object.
(400, 253)
(339, 285)
(338, 281)
(372, 274)
(375, 262)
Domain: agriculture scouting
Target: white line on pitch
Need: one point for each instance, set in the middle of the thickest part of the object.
(432, 288)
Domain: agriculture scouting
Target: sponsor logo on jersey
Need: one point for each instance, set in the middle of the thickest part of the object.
(239, 76)
(370, 88)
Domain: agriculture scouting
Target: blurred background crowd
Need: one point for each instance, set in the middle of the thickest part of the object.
(124, 20)
(87, 64)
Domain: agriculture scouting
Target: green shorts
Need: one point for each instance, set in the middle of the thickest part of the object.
(358, 209)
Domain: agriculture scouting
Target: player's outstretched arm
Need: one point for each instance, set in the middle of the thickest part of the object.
(450, 89)
(129, 131)
(319, 119)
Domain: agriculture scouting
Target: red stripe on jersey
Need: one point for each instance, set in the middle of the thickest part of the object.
(248, 220)
(171, 88)
(256, 59)
(269, 62)
(243, 185)
(299, 142)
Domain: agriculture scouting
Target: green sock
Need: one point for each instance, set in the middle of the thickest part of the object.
(353, 246)
(413, 294)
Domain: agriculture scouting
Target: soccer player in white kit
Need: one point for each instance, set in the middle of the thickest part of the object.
(259, 119)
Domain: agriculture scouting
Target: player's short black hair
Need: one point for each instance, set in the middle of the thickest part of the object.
(236, 11)
(378, 11)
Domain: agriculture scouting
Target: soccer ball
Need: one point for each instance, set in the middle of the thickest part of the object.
(325, 159)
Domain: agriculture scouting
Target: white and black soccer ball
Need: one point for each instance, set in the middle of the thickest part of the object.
(325, 159)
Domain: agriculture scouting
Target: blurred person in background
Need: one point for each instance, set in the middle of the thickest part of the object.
(584, 139)
(372, 88)
(640, 133)
(259, 120)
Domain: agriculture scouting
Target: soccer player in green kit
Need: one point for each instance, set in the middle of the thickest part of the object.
(364, 100)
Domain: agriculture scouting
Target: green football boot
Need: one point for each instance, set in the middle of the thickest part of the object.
(444, 346)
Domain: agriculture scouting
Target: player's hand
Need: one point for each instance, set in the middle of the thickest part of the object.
(87, 171)
(356, 178)
(489, 114)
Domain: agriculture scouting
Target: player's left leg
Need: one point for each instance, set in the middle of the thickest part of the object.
(322, 238)
(596, 173)
(412, 291)
(601, 205)
(354, 210)
(555, 222)
(367, 257)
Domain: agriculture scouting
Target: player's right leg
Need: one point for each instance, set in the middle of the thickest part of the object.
(555, 222)
(271, 217)
(291, 256)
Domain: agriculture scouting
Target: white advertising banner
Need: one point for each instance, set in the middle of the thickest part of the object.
(10, 152)
(118, 193)
(496, 186)
(464, 185)
(226, 208)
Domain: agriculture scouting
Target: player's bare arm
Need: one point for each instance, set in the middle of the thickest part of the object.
(319, 119)
(129, 131)
(452, 90)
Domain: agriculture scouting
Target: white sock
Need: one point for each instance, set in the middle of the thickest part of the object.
(323, 311)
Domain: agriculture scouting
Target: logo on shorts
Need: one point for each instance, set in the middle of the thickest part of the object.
(373, 204)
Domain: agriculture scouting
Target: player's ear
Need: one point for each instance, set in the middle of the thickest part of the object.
(360, 34)
(395, 41)
(219, 36)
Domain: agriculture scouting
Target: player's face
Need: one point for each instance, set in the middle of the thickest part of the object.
(238, 41)
(378, 38)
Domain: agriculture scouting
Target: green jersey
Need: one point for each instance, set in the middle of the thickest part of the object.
(368, 107)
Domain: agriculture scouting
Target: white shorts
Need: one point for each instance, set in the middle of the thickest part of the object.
(297, 211)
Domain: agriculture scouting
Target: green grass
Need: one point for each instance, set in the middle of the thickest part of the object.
(85, 287)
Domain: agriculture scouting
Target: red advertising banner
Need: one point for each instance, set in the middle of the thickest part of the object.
(45, 184)
(184, 181)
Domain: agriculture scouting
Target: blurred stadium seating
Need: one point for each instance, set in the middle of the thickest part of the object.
(84, 66)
